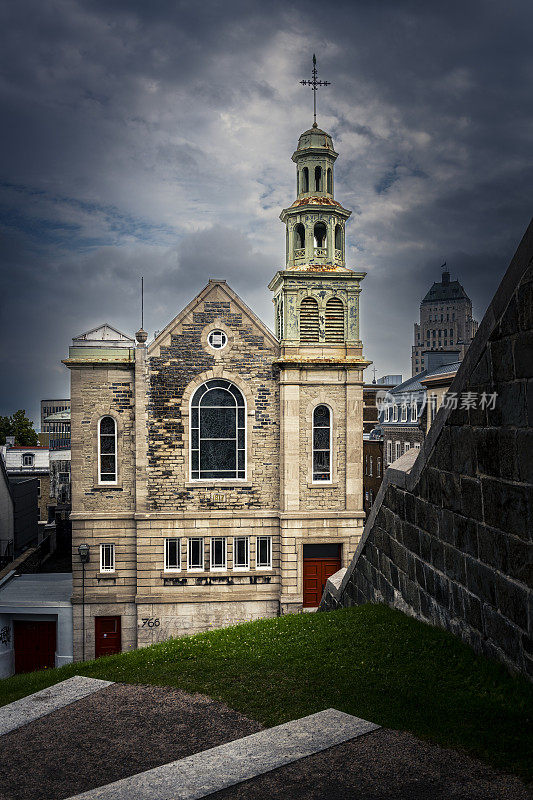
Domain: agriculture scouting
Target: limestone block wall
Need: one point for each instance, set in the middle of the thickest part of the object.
(450, 537)
(96, 392)
(175, 370)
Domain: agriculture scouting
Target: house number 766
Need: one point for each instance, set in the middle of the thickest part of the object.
(151, 622)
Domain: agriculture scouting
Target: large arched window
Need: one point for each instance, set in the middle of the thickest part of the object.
(305, 179)
(320, 234)
(218, 432)
(309, 320)
(107, 450)
(299, 236)
(334, 322)
(330, 181)
(318, 179)
(338, 237)
(321, 444)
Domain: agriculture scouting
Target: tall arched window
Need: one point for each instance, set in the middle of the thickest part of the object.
(299, 236)
(320, 233)
(218, 432)
(318, 179)
(107, 450)
(330, 181)
(305, 179)
(309, 320)
(338, 237)
(334, 322)
(297, 181)
(322, 444)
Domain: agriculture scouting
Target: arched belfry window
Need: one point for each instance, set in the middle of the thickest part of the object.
(218, 432)
(297, 181)
(107, 450)
(320, 232)
(334, 320)
(318, 179)
(321, 444)
(309, 320)
(299, 236)
(305, 179)
(330, 181)
(338, 237)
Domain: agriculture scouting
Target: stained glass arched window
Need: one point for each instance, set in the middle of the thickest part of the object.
(321, 444)
(218, 432)
(107, 450)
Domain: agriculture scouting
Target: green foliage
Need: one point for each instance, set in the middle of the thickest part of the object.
(370, 661)
(19, 426)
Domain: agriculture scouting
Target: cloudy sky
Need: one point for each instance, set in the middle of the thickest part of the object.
(154, 138)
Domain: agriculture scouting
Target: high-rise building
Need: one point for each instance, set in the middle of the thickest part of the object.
(446, 322)
(57, 429)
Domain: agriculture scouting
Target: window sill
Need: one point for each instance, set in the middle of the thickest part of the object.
(220, 484)
(323, 485)
(106, 576)
(113, 487)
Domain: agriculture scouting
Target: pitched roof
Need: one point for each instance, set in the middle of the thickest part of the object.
(452, 290)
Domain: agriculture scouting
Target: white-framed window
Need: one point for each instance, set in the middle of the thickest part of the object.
(28, 459)
(218, 552)
(263, 556)
(378, 468)
(395, 412)
(414, 411)
(398, 450)
(389, 451)
(195, 553)
(107, 450)
(417, 445)
(217, 340)
(404, 412)
(386, 413)
(107, 557)
(172, 554)
(406, 446)
(218, 432)
(370, 466)
(241, 552)
(322, 444)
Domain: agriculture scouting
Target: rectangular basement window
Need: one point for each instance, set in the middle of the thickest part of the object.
(218, 552)
(107, 558)
(196, 553)
(241, 552)
(172, 555)
(263, 556)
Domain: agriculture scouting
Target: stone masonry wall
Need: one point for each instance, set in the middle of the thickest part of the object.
(450, 537)
(247, 360)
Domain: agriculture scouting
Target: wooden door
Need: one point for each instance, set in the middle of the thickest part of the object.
(107, 636)
(35, 645)
(315, 573)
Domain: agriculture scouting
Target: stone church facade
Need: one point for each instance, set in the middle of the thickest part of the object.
(217, 471)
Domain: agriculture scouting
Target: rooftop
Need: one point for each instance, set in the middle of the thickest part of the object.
(47, 589)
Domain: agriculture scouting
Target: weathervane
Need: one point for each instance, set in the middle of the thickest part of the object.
(314, 84)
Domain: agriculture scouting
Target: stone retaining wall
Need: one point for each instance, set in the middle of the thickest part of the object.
(450, 537)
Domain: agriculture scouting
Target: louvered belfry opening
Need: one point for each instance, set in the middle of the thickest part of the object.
(334, 328)
(309, 320)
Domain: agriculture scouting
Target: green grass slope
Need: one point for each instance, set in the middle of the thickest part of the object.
(370, 661)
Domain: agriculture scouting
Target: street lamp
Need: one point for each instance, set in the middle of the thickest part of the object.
(84, 554)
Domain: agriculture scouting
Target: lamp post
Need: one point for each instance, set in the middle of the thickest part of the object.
(84, 554)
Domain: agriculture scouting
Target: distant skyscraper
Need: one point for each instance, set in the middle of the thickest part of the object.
(59, 428)
(446, 322)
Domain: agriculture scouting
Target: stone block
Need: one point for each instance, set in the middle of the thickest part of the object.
(524, 455)
(480, 581)
(454, 564)
(399, 556)
(525, 306)
(429, 579)
(443, 450)
(492, 547)
(501, 632)
(450, 491)
(523, 355)
(471, 499)
(447, 526)
(512, 601)
(425, 546)
(410, 508)
(506, 507)
(466, 535)
(442, 591)
(472, 611)
(437, 554)
(519, 560)
(502, 360)
(411, 538)
(463, 450)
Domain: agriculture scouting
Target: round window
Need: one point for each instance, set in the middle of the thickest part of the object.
(217, 339)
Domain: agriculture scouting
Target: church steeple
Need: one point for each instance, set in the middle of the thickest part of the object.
(315, 221)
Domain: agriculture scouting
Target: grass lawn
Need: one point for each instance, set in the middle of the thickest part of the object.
(370, 661)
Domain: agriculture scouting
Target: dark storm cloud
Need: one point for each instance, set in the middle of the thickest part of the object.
(155, 139)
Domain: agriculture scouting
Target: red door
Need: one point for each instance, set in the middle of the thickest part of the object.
(107, 639)
(316, 573)
(35, 645)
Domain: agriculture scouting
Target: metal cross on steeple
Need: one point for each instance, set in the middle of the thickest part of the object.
(314, 84)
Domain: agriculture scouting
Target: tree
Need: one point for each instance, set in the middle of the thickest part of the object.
(19, 426)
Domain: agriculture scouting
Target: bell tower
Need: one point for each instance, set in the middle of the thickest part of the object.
(316, 302)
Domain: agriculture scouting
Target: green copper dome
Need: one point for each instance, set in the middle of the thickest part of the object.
(313, 138)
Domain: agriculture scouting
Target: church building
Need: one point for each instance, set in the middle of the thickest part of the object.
(217, 471)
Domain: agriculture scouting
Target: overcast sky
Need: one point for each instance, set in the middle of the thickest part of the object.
(154, 138)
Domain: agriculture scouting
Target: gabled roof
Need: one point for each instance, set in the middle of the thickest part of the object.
(218, 288)
(104, 333)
